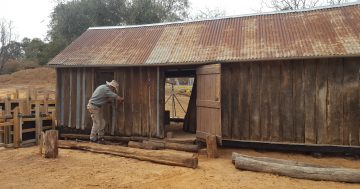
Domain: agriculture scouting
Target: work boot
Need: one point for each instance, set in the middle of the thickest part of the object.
(93, 140)
(101, 141)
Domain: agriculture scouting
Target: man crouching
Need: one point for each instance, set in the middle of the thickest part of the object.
(102, 94)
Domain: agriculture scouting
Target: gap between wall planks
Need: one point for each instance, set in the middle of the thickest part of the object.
(313, 101)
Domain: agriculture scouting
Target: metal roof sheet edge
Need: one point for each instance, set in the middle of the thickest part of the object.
(201, 63)
(227, 17)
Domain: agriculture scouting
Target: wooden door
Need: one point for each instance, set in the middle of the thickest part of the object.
(208, 105)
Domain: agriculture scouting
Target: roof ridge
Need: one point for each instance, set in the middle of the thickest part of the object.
(228, 17)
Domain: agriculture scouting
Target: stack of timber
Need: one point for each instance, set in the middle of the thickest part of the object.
(165, 157)
(22, 120)
(295, 169)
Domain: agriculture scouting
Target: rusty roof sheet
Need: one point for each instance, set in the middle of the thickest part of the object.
(326, 32)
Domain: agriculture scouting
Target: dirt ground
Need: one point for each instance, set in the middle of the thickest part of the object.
(24, 168)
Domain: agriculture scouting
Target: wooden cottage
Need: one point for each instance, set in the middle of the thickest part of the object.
(287, 77)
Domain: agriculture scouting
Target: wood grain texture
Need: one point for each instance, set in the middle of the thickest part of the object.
(310, 94)
(226, 97)
(265, 102)
(351, 101)
(254, 101)
(335, 102)
(321, 123)
(298, 102)
(286, 102)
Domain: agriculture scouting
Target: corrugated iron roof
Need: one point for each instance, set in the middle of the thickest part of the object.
(326, 32)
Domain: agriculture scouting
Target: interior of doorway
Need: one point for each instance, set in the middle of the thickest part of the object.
(179, 89)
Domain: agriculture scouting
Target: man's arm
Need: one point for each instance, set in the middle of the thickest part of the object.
(119, 99)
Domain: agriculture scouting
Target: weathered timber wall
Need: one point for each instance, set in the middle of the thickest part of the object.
(137, 116)
(300, 101)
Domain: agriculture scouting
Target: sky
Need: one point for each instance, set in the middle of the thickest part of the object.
(30, 18)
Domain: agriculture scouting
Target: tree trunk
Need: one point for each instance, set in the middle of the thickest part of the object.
(173, 146)
(295, 171)
(133, 144)
(163, 157)
(51, 144)
(211, 146)
(273, 160)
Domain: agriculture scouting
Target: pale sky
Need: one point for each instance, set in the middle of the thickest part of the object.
(31, 17)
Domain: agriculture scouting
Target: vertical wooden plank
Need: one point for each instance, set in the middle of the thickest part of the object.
(161, 102)
(286, 103)
(66, 95)
(351, 101)
(83, 98)
(235, 77)
(153, 102)
(145, 102)
(128, 102)
(58, 95)
(254, 101)
(74, 98)
(89, 90)
(136, 91)
(309, 92)
(78, 99)
(298, 101)
(70, 97)
(8, 105)
(244, 101)
(265, 101)
(275, 132)
(335, 102)
(226, 97)
(321, 100)
(121, 108)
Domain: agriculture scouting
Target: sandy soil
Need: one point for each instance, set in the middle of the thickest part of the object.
(24, 168)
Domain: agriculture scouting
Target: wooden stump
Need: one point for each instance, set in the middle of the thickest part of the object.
(211, 146)
(50, 144)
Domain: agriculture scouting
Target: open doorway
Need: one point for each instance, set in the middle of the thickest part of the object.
(180, 104)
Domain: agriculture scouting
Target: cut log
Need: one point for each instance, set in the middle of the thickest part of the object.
(162, 157)
(211, 146)
(133, 144)
(273, 160)
(173, 146)
(51, 144)
(113, 138)
(312, 173)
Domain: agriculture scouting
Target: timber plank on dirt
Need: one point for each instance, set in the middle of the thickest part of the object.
(165, 157)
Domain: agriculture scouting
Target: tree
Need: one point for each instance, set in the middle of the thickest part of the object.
(290, 4)
(336, 2)
(6, 41)
(208, 14)
(156, 11)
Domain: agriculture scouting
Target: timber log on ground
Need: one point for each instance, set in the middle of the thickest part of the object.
(296, 169)
(165, 157)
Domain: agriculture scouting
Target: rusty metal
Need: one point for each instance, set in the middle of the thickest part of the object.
(329, 32)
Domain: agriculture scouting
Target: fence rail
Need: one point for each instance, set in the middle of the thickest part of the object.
(23, 119)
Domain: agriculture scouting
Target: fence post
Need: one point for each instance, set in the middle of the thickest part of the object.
(38, 123)
(16, 126)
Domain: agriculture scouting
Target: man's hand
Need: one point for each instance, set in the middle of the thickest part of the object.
(120, 99)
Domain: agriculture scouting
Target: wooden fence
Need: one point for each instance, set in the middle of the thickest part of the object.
(23, 119)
